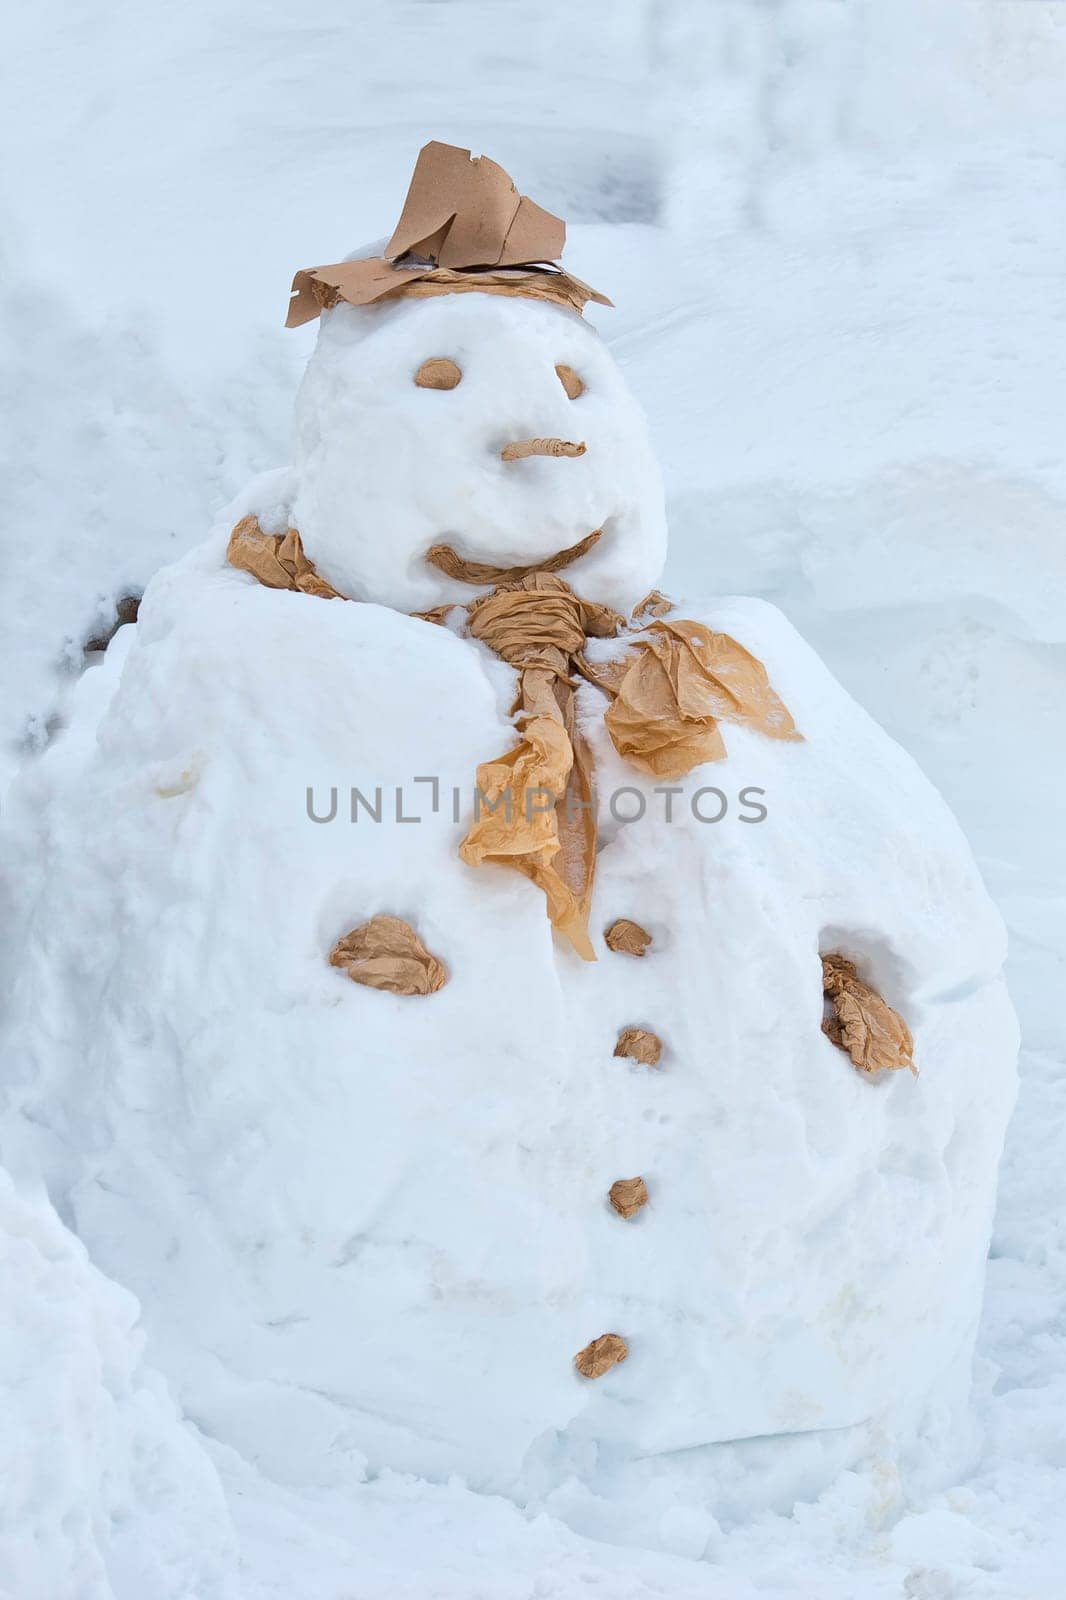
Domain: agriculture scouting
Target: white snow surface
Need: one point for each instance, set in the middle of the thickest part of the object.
(384, 469)
(833, 234)
(400, 1233)
(106, 1492)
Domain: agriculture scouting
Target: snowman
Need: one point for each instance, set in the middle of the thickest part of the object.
(501, 1022)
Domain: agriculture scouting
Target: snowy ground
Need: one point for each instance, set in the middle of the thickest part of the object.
(834, 233)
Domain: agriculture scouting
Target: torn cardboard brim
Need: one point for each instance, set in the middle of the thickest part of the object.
(464, 211)
(364, 283)
(464, 227)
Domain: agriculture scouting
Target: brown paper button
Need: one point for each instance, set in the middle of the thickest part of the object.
(640, 1045)
(439, 372)
(627, 938)
(601, 1355)
(627, 1195)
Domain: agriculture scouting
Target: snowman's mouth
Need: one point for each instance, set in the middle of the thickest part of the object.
(447, 559)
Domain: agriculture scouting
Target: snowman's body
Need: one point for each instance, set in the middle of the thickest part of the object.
(365, 1224)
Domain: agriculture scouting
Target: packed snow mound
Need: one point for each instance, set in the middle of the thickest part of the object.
(104, 1492)
(385, 469)
(375, 1229)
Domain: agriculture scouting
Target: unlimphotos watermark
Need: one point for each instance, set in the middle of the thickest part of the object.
(404, 803)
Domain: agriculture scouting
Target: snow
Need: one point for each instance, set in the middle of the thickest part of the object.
(400, 1232)
(106, 1491)
(833, 235)
(385, 469)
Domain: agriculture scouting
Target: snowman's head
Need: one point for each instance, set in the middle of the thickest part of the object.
(386, 467)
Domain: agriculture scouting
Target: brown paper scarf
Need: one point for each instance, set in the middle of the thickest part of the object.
(668, 692)
(538, 625)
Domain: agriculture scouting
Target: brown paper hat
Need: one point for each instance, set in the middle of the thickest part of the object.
(464, 226)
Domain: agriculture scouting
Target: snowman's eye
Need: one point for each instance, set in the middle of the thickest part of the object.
(570, 381)
(438, 373)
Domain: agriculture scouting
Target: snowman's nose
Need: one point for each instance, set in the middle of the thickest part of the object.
(519, 449)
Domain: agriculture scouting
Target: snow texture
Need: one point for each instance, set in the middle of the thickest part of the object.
(401, 1233)
(386, 469)
(106, 1493)
(833, 236)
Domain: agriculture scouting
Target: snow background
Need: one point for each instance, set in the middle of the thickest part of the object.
(835, 236)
